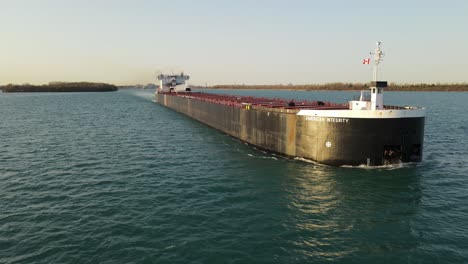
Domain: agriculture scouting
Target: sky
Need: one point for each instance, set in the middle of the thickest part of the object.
(232, 42)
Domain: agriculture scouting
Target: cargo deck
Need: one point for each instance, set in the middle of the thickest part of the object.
(243, 101)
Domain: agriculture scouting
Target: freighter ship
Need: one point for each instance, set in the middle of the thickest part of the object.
(362, 131)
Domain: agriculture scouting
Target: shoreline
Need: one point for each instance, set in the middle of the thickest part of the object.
(347, 87)
(59, 87)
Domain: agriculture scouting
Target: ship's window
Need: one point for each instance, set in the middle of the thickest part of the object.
(373, 90)
(379, 90)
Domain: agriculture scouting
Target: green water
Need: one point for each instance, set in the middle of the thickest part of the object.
(117, 178)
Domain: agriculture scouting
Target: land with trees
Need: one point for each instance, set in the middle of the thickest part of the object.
(422, 87)
(60, 87)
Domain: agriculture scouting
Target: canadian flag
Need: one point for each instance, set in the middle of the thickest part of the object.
(366, 61)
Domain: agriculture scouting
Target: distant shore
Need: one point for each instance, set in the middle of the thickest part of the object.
(60, 87)
(422, 87)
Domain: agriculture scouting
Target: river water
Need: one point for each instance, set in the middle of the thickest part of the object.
(117, 178)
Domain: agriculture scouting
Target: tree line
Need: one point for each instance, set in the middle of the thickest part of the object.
(60, 87)
(338, 86)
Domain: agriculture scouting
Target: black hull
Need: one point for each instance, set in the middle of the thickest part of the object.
(363, 141)
(327, 140)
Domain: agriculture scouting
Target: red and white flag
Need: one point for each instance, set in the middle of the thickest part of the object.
(366, 61)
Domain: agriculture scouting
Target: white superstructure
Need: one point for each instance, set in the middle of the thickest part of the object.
(372, 99)
(173, 83)
(370, 103)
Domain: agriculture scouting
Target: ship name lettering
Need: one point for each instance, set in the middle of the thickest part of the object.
(337, 120)
(327, 119)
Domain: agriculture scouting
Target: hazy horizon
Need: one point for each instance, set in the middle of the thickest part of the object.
(266, 42)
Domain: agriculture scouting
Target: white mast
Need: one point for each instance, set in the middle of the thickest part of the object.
(377, 86)
(378, 56)
(375, 100)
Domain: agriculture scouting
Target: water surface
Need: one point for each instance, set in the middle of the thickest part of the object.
(117, 178)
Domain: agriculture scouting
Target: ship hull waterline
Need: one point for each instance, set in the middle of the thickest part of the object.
(350, 141)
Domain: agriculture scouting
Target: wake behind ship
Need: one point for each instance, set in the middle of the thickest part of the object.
(363, 131)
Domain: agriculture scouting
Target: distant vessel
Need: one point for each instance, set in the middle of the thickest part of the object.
(363, 131)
